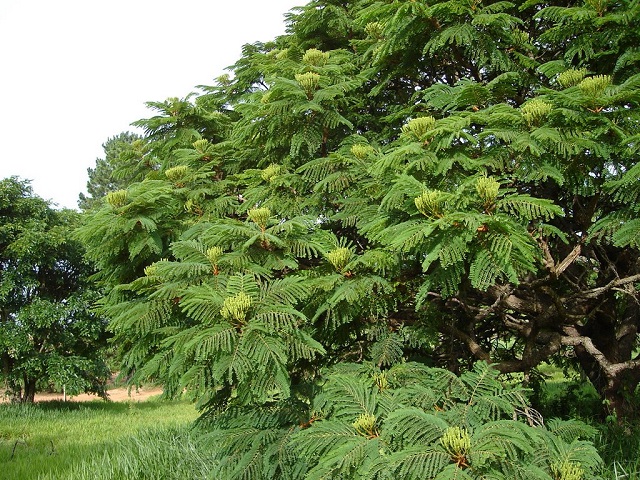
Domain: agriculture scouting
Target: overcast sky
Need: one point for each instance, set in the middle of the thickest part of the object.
(75, 72)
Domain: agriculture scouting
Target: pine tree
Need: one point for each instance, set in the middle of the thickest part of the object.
(101, 178)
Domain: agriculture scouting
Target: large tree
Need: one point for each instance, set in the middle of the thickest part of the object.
(49, 334)
(391, 180)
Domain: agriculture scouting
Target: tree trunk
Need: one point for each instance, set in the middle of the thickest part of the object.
(608, 360)
(6, 369)
(615, 385)
(29, 392)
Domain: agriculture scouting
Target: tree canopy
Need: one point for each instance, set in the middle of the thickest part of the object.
(388, 182)
(48, 332)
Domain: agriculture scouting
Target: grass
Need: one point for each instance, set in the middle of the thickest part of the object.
(56, 440)
(566, 396)
(159, 453)
(619, 446)
(570, 396)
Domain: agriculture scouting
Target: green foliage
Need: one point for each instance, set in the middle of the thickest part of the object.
(405, 422)
(49, 336)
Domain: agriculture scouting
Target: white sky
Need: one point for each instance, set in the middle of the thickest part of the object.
(75, 72)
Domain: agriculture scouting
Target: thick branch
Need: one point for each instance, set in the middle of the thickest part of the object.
(557, 270)
(474, 347)
(573, 338)
(533, 358)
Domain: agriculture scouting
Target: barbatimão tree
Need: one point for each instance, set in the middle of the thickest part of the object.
(49, 333)
(387, 186)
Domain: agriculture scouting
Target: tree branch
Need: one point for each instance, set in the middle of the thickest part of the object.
(474, 347)
(557, 270)
(533, 358)
(596, 292)
(574, 339)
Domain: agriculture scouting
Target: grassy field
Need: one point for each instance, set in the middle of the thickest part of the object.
(56, 440)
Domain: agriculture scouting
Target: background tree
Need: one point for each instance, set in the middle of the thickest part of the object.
(442, 183)
(48, 332)
(102, 178)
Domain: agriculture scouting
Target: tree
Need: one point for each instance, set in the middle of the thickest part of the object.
(48, 331)
(443, 183)
(102, 178)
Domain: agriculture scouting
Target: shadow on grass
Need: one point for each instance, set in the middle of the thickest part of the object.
(101, 405)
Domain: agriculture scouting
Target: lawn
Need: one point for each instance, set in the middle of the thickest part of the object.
(56, 440)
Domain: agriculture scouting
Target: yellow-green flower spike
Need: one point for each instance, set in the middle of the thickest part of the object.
(487, 188)
(456, 442)
(177, 174)
(117, 199)
(535, 110)
(430, 203)
(567, 471)
(201, 145)
(571, 77)
(365, 425)
(361, 151)
(224, 80)
(151, 270)
(381, 380)
(418, 127)
(374, 30)
(308, 81)
(235, 308)
(315, 57)
(271, 172)
(595, 86)
(339, 258)
(214, 254)
(260, 216)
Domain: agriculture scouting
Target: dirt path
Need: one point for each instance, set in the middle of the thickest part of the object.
(115, 395)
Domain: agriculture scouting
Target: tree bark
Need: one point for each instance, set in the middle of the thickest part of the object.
(29, 392)
(605, 353)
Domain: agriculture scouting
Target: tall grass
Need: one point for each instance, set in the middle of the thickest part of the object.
(619, 447)
(160, 453)
(51, 440)
(565, 394)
